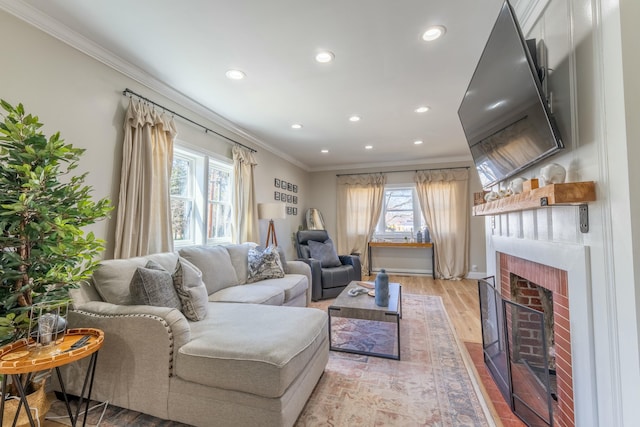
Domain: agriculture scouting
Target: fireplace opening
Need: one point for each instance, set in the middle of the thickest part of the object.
(529, 294)
(535, 294)
(517, 350)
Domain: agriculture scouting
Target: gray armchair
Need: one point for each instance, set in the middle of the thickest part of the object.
(330, 273)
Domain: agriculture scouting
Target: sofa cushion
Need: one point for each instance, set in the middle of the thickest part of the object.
(230, 353)
(324, 252)
(264, 264)
(239, 255)
(253, 293)
(215, 263)
(292, 285)
(187, 280)
(153, 285)
(112, 277)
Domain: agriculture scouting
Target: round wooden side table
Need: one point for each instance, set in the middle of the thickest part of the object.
(19, 358)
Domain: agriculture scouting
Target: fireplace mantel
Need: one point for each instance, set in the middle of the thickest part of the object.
(570, 193)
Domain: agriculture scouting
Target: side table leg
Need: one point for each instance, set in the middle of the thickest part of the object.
(23, 400)
(4, 393)
(88, 379)
(433, 260)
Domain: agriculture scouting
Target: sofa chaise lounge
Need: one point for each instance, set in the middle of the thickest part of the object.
(252, 361)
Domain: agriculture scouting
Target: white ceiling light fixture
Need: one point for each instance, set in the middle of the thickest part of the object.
(235, 74)
(421, 109)
(296, 126)
(354, 118)
(324, 151)
(418, 142)
(368, 147)
(434, 33)
(325, 56)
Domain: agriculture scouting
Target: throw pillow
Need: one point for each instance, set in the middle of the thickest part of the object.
(153, 285)
(325, 253)
(281, 254)
(187, 280)
(264, 265)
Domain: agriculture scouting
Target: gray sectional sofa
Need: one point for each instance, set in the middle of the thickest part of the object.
(252, 361)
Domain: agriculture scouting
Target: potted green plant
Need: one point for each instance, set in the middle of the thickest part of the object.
(44, 250)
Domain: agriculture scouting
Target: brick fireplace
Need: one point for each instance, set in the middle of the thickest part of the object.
(555, 281)
(562, 268)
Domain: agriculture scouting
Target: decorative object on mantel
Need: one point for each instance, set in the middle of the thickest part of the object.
(382, 289)
(571, 193)
(516, 185)
(529, 185)
(478, 198)
(491, 196)
(553, 173)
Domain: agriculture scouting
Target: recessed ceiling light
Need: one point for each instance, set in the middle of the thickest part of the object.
(235, 74)
(422, 109)
(354, 118)
(296, 126)
(434, 33)
(418, 142)
(324, 151)
(325, 56)
(368, 147)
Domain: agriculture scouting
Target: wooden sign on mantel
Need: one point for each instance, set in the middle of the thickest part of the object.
(569, 193)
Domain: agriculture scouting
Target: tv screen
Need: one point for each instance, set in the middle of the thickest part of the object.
(504, 112)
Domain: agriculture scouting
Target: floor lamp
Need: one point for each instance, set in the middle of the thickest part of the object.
(271, 211)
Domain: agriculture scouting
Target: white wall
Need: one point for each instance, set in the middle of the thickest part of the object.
(597, 110)
(82, 98)
(323, 196)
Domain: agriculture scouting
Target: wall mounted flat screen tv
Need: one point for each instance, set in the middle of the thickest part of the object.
(504, 113)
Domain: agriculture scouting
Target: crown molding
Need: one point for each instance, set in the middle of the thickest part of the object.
(412, 163)
(56, 29)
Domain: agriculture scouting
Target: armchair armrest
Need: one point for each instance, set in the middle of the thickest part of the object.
(353, 260)
(316, 277)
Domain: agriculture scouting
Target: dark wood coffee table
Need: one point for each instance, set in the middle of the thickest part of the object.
(364, 307)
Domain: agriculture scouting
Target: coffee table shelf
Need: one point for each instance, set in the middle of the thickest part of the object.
(363, 307)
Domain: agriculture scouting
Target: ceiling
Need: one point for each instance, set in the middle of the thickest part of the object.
(382, 70)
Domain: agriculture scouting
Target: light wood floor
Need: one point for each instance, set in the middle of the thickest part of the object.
(460, 299)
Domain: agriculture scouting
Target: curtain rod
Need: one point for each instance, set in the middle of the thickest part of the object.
(409, 170)
(206, 129)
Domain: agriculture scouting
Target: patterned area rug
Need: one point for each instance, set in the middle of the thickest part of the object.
(430, 386)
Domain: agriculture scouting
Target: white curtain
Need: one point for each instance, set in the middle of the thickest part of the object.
(245, 213)
(359, 205)
(143, 223)
(444, 200)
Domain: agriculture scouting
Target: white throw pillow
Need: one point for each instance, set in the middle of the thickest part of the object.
(264, 264)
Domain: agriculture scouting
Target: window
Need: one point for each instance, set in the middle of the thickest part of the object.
(201, 189)
(182, 198)
(219, 203)
(401, 216)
